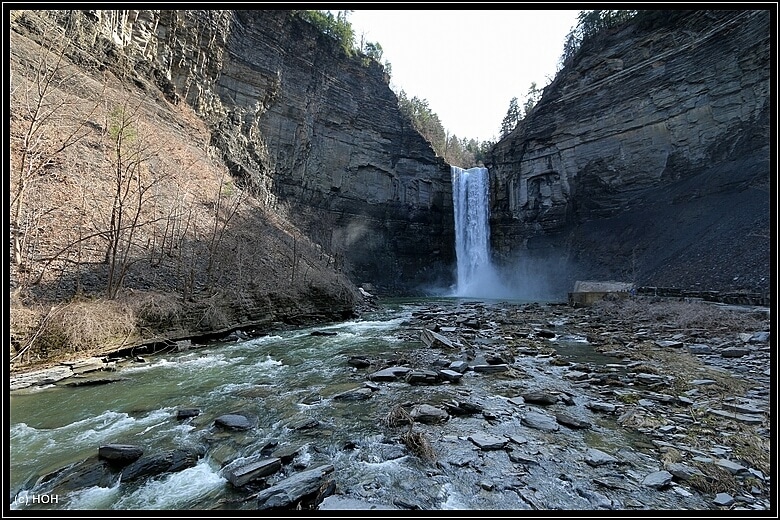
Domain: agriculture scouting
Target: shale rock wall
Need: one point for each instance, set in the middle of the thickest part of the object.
(647, 159)
(312, 131)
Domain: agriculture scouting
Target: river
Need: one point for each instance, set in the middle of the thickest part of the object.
(288, 380)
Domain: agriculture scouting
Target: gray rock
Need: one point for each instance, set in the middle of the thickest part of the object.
(732, 467)
(683, 471)
(601, 406)
(488, 442)
(243, 474)
(723, 500)
(359, 362)
(669, 343)
(459, 366)
(734, 352)
(572, 422)
(232, 421)
(595, 457)
(422, 377)
(658, 479)
(435, 340)
(389, 374)
(120, 454)
(745, 418)
(40, 377)
(490, 368)
(759, 337)
(165, 462)
(540, 421)
(699, 349)
(358, 394)
(427, 414)
(450, 375)
(83, 366)
(542, 397)
(87, 473)
(186, 413)
(742, 408)
(290, 491)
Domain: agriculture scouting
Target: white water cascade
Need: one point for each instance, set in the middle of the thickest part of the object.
(477, 277)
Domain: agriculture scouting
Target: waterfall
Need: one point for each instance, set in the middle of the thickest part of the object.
(476, 275)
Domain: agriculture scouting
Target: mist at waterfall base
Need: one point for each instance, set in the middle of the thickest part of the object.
(477, 276)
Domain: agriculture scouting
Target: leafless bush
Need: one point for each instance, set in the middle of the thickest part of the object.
(85, 327)
(215, 315)
(160, 311)
(24, 321)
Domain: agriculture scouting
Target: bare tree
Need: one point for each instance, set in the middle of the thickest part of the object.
(48, 123)
(226, 205)
(132, 181)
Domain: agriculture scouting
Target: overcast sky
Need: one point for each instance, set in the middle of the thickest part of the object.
(468, 64)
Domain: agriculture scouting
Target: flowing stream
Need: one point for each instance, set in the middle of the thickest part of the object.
(285, 378)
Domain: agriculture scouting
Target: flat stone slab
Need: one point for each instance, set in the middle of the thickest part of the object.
(40, 377)
(389, 374)
(289, 491)
(434, 339)
(741, 417)
(486, 442)
(490, 368)
(540, 421)
(450, 375)
(658, 479)
(595, 457)
(572, 422)
(242, 475)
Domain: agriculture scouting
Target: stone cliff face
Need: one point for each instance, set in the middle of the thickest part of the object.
(314, 132)
(647, 159)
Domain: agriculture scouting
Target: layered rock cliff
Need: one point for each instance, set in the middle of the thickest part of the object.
(314, 132)
(647, 158)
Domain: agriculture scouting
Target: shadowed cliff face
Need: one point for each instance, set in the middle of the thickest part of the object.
(338, 152)
(314, 133)
(647, 159)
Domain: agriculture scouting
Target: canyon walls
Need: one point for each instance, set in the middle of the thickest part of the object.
(647, 158)
(314, 132)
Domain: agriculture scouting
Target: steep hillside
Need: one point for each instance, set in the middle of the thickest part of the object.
(648, 158)
(127, 226)
(314, 132)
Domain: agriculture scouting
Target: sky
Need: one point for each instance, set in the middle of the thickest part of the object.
(468, 64)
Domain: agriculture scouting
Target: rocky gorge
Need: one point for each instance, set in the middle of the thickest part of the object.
(640, 404)
(280, 174)
(645, 155)
(285, 174)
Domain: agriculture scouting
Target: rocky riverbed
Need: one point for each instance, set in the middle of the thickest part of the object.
(637, 404)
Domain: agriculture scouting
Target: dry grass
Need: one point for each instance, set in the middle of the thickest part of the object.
(688, 315)
(81, 328)
(417, 442)
(398, 416)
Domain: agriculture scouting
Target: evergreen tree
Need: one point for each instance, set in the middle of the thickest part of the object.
(511, 119)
